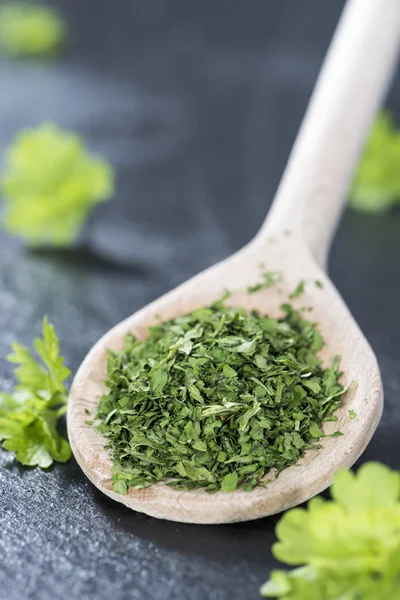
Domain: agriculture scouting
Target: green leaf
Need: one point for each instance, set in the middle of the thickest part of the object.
(374, 485)
(315, 431)
(246, 348)
(29, 451)
(299, 291)
(270, 278)
(158, 381)
(308, 583)
(120, 486)
(30, 374)
(349, 547)
(228, 371)
(48, 350)
(278, 586)
(29, 416)
(30, 29)
(312, 384)
(10, 428)
(38, 447)
(50, 184)
(376, 185)
(8, 403)
(260, 362)
(229, 482)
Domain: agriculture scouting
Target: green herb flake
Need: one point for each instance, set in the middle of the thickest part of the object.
(248, 397)
(352, 413)
(269, 279)
(299, 291)
(229, 482)
(347, 548)
(29, 415)
(319, 283)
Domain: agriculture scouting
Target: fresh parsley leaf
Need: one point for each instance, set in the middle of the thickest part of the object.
(308, 583)
(49, 185)
(39, 444)
(376, 186)
(349, 548)
(374, 486)
(29, 416)
(30, 29)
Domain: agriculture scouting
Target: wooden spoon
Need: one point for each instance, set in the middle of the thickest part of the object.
(295, 240)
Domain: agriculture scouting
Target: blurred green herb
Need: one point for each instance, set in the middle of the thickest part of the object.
(29, 415)
(349, 548)
(319, 283)
(30, 29)
(215, 399)
(269, 279)
(376, 186)
(299, 291)
(352, 413)
(50, 184)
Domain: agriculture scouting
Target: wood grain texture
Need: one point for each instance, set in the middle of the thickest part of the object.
(294, 240)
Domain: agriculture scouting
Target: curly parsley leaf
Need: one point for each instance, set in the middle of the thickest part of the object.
(29, 415)
(349, 548)
(30, 29)
(376, 186)
(50, 184)
(308, 583)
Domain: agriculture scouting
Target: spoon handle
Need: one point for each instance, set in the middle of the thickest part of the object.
(352, 83)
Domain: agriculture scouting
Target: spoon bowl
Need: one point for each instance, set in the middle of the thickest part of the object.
(294, 240)
(315, 470)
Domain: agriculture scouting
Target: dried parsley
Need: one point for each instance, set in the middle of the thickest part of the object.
(215, 399)
(269, 279)
(299, 291)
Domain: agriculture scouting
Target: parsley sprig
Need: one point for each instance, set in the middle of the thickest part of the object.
(348, 548)
(30, 29)
(50, 184)
(376, 186)
(29, 415)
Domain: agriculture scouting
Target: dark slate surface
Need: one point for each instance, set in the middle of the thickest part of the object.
(196, 104)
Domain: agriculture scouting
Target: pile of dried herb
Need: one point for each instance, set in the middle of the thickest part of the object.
(215, 399)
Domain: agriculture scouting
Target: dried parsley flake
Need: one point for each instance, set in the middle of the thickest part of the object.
(269, 278)
(215, 399)
(299, 291)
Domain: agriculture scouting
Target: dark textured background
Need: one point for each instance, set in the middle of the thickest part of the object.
(197, 105)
